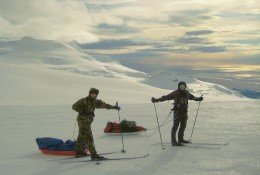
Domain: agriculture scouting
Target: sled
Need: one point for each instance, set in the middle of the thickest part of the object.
(58, 153)
(126, 127)
(56, 146)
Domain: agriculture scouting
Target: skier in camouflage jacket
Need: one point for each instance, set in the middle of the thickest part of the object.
(85, 108)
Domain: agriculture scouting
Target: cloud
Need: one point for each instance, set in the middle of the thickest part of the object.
(242, 15)
(116, 29)
(249, 41)
(49, 19)
(243, 60)
(191, 40)
(199, 32)
(111, 4)
(111, 44)
(210, 49)
(124, 26)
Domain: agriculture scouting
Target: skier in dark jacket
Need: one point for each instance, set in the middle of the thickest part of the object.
(86, 107)
(180, 97)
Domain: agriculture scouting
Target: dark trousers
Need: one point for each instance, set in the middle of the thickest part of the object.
(179, 119)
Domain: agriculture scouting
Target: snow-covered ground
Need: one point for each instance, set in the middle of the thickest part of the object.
(235, 123)
(41, 79)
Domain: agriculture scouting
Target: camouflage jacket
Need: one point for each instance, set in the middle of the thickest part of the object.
(86, 106)
(178, 98)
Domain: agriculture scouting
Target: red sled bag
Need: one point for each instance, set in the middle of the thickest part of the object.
(125, 126)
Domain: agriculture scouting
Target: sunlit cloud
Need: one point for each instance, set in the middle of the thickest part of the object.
(245, 75)
(239, 68)
(187, 33)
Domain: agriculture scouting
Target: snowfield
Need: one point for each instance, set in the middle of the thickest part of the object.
(40, 80)
(235, 123)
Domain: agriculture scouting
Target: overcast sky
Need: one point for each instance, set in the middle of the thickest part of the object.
(222, 35)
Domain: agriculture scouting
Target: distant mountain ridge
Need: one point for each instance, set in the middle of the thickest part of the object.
(34, 71)
(248, 93)
(169, 80)
(62, 56)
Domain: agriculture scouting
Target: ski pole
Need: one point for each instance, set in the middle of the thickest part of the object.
(74, 130)
(122, 138)
(158, 125)
(195, 121)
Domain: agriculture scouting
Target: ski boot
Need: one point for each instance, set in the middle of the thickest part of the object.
(81, 154)
(78, 155)
(175, 143)
(181, 140)
(97, 157)
(185, 141)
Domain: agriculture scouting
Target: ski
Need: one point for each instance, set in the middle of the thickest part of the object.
(108, 159)
(212, 144)
(190, 145)
(74, 157)
(199, 144)
(194, 146)
(203, 147)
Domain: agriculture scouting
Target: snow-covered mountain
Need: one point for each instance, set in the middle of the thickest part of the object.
(61, 56)
(34, 71)
(169, 80)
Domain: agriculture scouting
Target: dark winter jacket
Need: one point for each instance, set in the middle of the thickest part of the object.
(179, 97)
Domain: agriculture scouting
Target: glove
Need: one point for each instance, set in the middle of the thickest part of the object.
(117, 108)
(154, 100)
(198, 99)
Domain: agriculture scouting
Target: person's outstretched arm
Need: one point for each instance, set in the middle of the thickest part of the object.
(192, 97)
(101, 104)
(170, 96)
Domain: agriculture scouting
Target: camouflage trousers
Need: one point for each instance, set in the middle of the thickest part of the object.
(85, 136)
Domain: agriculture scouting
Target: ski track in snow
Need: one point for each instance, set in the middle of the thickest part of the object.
(218, 122)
